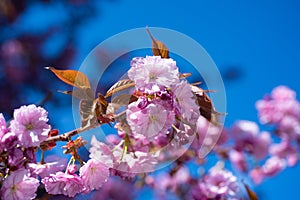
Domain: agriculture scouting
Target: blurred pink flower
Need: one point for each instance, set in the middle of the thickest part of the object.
(218, 182)
(153, 70)
(248, 139)
(276, 107)
(63, 183)
(238, 159)
(285, 150)
(19, 185)
(116, 188)
(256, 175)
(283, 93)
(272, 166)
(30, 125)
(93, 174)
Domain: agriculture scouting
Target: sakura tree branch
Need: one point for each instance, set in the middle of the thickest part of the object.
(66, 136)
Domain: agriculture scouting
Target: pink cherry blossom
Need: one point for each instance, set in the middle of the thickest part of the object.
(272, 166)
(5, 136)
(285, 150)
(52, 165)
(256, 175)
(63, 183)
(276, 107)
(153, 70)
(283, 93)
(101, 152)
(30, 125)
(247, 138)
(117, 189)
(186, 103)
(132, 163)
(16, 158)
(3, 128)
(93, 174)
(218, 182)
(19, 185)
(238, 159)
(149, 121)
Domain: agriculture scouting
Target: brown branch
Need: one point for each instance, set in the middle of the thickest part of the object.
(65, 136)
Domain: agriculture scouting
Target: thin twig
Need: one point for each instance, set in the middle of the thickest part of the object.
(65, 136)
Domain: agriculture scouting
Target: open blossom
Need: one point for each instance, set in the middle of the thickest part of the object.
(247, 138)
(153, 70)
(281, 103)
(52, 165)
(238, 159)
(149, 121)
(132, 163)
(186, 104)
(3, 128)
(8, 140)
(101, 152)
(63, 183)
(93, 174)
(218, 182)
(30, 125)
(19, 185)
(272, 166)
(285, 150)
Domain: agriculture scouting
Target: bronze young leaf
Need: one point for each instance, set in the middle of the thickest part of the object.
(119, 86)
(251, 194)
(207, 109)
(92, 111)
(72, 77)
(158, 48)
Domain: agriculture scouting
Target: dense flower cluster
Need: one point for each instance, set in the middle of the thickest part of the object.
(161, 118)
(17, 142)
(281, 110)
(162, 97)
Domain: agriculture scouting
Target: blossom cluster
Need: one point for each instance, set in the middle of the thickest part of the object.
(17, 146)
(162, 97)
(160, 119)
(281, 111)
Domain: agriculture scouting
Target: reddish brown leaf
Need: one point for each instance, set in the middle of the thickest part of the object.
(72, 77)
(207, 109)
(158, 48)
(184, 75)
(119, 86)
(252, 195)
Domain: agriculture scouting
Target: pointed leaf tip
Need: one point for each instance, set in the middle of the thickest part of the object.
(72, 77)
(158, 48)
